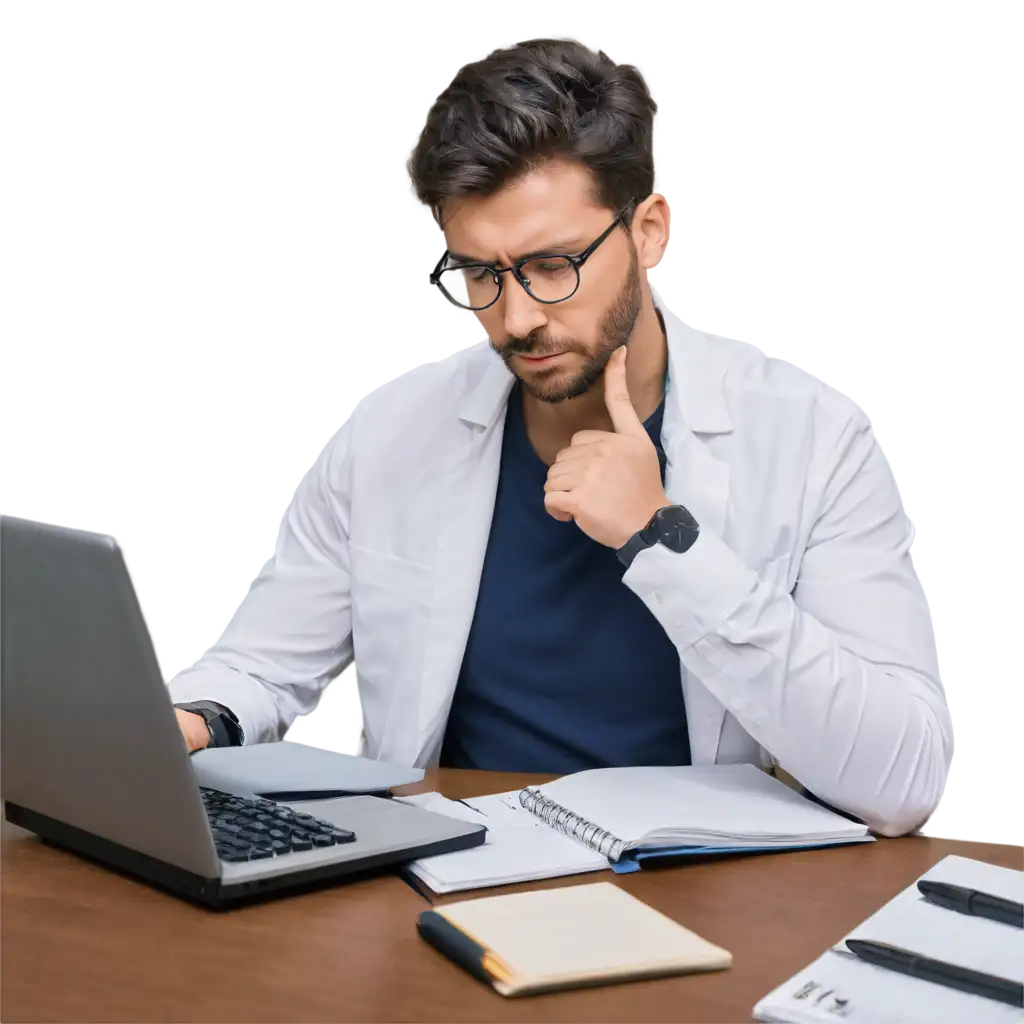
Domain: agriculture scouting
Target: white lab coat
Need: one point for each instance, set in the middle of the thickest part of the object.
(803, 633)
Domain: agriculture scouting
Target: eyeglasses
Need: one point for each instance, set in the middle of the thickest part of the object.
(548, 278)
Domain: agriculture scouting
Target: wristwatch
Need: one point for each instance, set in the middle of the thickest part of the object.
(672, 526)
(220, 721)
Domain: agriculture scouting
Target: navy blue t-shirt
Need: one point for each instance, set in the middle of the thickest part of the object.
(565, 668)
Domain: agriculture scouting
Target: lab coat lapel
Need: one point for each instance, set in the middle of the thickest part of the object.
(695, 407)
(469, 481)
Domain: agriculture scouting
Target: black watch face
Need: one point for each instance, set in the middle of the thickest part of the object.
(677, 529)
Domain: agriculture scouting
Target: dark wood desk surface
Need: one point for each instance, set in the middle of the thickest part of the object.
(81, 943)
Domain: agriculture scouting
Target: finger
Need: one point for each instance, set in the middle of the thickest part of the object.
(559, 505)
(562, 477)
(616, 397)
(576, 452)
(589, 437)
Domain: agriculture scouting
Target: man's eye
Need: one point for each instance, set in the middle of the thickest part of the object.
(548, 266)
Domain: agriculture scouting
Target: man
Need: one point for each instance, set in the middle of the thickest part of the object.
(604, 538)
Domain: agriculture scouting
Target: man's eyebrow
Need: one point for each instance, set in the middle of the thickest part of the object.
(570, 248)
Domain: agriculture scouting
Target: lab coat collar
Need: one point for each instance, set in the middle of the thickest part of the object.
(695, 381)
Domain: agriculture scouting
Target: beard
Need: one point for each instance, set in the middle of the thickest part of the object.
(616, 327)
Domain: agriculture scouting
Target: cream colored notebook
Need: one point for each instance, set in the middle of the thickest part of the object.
(564, 938)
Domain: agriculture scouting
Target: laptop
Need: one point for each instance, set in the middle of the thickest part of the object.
(92, 759)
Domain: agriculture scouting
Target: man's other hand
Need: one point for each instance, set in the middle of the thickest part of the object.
(194, 729)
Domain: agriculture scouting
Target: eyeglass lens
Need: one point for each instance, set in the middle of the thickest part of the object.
(548, 278)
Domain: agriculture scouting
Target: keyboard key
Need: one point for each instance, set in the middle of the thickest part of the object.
(257, 829)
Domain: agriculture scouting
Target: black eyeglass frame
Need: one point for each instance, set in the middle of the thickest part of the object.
(576, 261)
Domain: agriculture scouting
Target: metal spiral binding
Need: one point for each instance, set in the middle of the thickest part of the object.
(561, 818)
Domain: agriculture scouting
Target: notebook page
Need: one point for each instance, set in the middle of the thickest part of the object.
(911, 922)
(840, 990)
(505, 809)
(510, 853)
(732, 800)
(582, 929)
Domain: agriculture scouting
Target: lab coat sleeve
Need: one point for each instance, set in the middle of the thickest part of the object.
(838, 679)
(292, 633)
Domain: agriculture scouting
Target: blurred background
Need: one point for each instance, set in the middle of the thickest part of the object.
(210, 250)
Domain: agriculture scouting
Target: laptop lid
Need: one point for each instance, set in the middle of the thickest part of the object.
(88, 734)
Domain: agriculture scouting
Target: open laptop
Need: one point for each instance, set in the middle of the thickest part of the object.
(93, 760)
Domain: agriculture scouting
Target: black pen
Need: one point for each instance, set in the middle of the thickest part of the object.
(895, 959)
(970, 901)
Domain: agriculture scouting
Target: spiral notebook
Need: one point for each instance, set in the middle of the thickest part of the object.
(624, 817)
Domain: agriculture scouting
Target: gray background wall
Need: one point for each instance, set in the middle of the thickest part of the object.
(203, 260)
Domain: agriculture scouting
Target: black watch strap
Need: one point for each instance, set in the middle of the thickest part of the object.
(632, 548)
(221, 721)
(671, 525)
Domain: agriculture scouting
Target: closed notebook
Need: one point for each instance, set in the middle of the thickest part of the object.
(565, 938)
(295, 771)
(625, 817)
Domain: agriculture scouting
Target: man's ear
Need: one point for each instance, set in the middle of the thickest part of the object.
(650, 229)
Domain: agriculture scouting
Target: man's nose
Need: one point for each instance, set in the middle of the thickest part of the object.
(522, 313)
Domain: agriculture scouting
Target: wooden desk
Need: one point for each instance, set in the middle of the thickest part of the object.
(81, 943)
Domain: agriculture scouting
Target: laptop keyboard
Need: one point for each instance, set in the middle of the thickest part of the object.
(255, 829)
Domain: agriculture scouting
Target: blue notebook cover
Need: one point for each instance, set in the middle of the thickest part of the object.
(634, 860)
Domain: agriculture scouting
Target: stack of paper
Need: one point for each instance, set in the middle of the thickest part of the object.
(839, 987)
(519, 847)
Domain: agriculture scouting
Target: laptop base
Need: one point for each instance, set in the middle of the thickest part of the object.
(213, 893)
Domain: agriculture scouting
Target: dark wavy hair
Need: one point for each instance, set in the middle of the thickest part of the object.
(505, 115)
